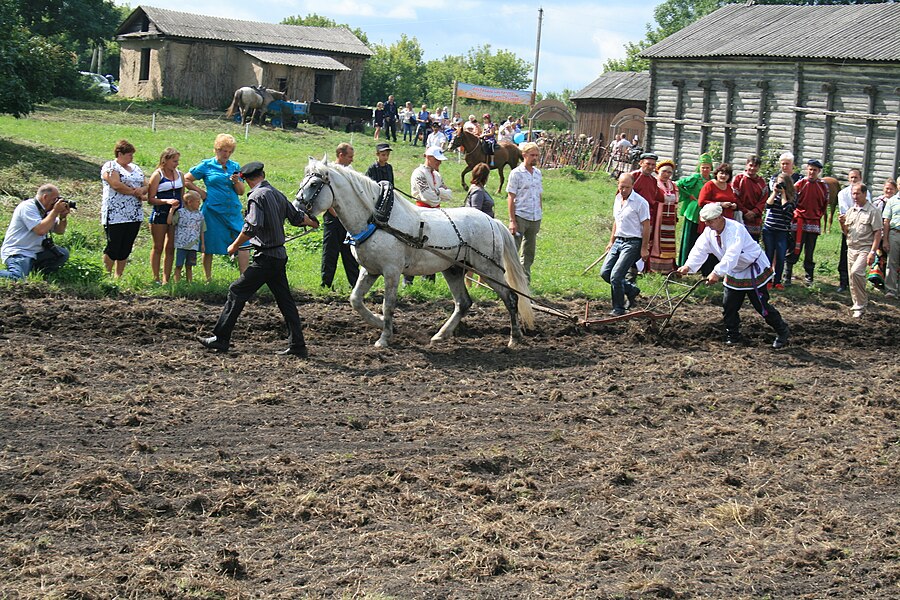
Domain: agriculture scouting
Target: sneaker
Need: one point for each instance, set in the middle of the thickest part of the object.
(781, 340)
(770, 285)
(733, 339)
(631, 301)
(617, 312)
(890, 295)
(808, 279)
(857, 313)
(778, 286)
(213, 343)
(841, 289)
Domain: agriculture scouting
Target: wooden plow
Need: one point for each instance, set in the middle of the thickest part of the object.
(661, 306)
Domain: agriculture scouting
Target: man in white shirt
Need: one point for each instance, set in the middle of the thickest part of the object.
(436, 138)
(27, 246)
(845, 203)
(628, 242)
(743, 269)
(525, 199)
(428, 188)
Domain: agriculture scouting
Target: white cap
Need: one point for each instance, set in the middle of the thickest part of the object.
(436, 152)
(710, 212)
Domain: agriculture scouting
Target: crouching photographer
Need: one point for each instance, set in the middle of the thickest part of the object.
(28, 246)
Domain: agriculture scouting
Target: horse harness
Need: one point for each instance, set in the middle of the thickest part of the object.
(380, 218)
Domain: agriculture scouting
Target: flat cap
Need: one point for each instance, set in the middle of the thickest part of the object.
(814, 162)
(252, 169)
(649, 155)
(382, 147)
(710, 212)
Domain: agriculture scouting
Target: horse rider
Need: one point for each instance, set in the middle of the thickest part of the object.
(489, 137)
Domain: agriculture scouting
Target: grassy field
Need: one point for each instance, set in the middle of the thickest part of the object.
(65, 143)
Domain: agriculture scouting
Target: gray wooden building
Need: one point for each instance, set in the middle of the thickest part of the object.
(819, 81)
(203, 60)
(613, 103)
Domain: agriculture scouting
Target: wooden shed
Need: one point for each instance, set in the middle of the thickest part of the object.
(819, 81)
(613, 103)
(203, 60)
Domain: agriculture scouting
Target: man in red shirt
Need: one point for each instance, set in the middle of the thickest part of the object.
(647, 187)
(752, 192)
(812, 198)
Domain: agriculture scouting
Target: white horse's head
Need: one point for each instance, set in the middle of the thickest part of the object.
(316, 195)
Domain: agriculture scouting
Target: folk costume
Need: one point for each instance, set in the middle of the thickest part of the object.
(711, 194)
(812, 198)
(752, 191)
(689, 193)
(745, 271)
(662, 226)
(647, 187)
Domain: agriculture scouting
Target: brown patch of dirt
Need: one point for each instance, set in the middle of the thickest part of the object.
(587, 464)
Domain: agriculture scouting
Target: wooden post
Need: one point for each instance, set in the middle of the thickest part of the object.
(872, 92)
(453, 101)
(651, 111)
(761, 116)
(795, 117)
(829, 88)
(896, 164)
(679, 112)
(729, 115)
(706, 84)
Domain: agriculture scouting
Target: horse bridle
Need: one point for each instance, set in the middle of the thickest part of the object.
(313, 179)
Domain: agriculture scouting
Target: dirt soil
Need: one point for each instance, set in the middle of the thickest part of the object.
(610, 463)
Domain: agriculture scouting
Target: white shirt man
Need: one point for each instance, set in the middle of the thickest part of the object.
(745, 270)
(525, 197)
(427, 186)
(628, 242)
(437, 138)
(32, 221)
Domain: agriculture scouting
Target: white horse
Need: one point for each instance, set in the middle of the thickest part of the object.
(252, 101)
(432, 240)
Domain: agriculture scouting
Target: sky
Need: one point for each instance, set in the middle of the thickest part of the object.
(576, 37)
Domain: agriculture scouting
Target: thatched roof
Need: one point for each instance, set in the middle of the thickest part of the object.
(866, 32)
(152, 22)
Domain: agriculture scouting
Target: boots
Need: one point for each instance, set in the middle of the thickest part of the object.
(781, 336)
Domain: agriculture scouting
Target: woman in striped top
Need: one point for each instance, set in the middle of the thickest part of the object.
(777, 225)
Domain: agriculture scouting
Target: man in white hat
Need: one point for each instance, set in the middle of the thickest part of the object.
(428, 187)
(743, 269)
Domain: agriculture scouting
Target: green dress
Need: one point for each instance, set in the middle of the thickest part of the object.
(688, 193)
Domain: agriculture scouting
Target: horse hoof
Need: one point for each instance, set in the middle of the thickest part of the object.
(438, 340)
(381, 344)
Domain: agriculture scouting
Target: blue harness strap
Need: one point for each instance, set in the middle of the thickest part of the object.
(362, 236)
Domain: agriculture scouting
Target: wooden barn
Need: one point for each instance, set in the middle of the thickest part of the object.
(613, 103)
(819, 81)
(203, 60)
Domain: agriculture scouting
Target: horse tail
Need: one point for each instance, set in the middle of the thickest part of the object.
(516, 279)
(234, 104)
(516, 157)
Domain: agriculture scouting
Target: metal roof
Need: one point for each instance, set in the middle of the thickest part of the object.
(173, 23)
(292, 58)
(868, 32)
(617, 85)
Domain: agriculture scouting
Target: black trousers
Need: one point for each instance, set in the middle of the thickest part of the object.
(808, 247)
(390, 126)
(263, 270)
(843, 271)
(734, 299)
(333, 236)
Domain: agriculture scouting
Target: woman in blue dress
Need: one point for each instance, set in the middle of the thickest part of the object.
(221, 202)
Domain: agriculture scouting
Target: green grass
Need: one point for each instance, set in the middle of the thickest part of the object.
(66, 142)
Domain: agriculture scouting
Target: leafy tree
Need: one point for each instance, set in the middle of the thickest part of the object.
(396, 69)
(674, 15)
(314, 20)
(76, 20)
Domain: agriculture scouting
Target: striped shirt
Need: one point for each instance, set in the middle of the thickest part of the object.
(778, 215)
(267, 208)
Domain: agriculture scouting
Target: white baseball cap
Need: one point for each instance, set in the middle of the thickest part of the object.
(436, 152)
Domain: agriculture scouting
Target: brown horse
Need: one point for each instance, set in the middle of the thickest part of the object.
(505, 153)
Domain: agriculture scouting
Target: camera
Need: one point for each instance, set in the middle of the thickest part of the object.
(72, 204)
(780, 185)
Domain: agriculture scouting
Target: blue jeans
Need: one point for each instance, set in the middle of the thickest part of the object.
(776, 243)
(624, 254)
(48, 261)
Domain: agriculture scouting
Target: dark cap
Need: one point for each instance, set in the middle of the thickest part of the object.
(383, 147)
(649, 155)
(252, 169)
(814, 163)
(435, 124)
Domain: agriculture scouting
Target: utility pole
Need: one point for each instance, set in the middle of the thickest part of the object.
(537, 58)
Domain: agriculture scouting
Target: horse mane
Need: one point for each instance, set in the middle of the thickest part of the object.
(361, 184)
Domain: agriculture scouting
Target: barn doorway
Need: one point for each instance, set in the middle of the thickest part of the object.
(324, 91)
